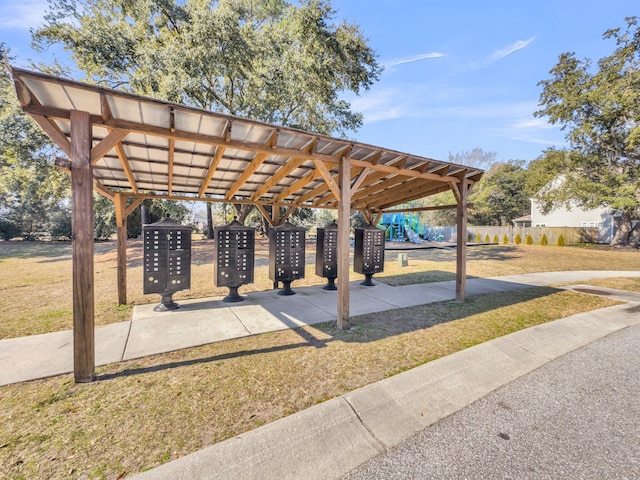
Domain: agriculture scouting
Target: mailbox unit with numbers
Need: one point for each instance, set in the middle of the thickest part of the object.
(233, 265)
(286, 255)
(327, 255)
(167, 260)
(368, 252)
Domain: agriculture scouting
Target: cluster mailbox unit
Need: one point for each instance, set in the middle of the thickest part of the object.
(167, 260)
(234, 249)
(327, 255)
(368, 252)
(286, 255)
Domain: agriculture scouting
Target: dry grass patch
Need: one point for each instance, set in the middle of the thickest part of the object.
(629, 284)
(142, 413)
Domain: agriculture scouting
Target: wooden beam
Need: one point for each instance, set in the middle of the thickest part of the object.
(461, 192)
(227, 141)
(248, 171)
(358, 183)
(122, 155)
(213, 166)
(426, 209)
(328, 178)
(266, 215)
(297, 186)
(172, 144)
(120, 204)
(82, 248)
(288, 211)
(102, 190)
(275, 179)
(136, 202)
(344, 215)
(106, 144)
(54, 132)
(409, 198)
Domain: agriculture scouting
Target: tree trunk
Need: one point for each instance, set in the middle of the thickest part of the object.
(209, 221)
(242, 211)
(624, 229)
(144, 216)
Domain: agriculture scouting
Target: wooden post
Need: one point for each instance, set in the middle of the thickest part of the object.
(82, 248)
(120, 203)
(344, 214)
(461, 192)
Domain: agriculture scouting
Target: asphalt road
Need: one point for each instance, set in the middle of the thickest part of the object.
(577, 417)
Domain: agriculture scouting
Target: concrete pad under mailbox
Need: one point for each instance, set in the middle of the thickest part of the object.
(308, 445)
(170, 331)
(280, 314)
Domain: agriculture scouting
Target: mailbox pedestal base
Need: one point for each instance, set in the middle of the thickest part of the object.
(367, 280)
(286, 290)
(331, 284)
(166, 303)
(233, 296)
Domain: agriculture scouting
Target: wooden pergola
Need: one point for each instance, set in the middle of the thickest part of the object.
(126, 147)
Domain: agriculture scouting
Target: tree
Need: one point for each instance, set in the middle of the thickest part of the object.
(31, 188)
(501, 195)
(598, 107)
(270, 60)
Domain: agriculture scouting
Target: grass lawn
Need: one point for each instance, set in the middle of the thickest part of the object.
(144, 412)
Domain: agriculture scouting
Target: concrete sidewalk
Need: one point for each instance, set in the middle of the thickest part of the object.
(209, 320)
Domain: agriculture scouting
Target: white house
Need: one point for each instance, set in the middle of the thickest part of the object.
(575, 216)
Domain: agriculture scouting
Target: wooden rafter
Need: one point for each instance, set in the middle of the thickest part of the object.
(57, 135)
(172, 144)
(248, 171)
(237, 144)
(297, 185)
(106, 144)
(326, 174)
(414, 196)
(266, 215)
(213, 166)
(277, 177)
(124, 161)
(359, 181)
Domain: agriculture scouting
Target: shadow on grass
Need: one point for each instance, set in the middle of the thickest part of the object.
(367, 328)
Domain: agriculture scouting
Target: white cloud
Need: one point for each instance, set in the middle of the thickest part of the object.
(534, 123)
(509, 49)
(413, 58)
(22, 15)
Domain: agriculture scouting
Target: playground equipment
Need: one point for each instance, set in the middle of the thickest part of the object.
(402, 226)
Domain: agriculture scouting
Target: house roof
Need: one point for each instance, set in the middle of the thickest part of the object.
(143, 145)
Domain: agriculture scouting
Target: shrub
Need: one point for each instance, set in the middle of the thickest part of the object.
(505, 239)
(478, 238)
(543, 239)
(518, 239)
(8, 230)
(486, 238)
(529, 240)
(495, 238)
(561, 241)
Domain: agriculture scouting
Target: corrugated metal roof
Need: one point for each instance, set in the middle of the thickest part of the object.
(182, 152)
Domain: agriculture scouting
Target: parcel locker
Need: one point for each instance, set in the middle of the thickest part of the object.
(166, 260)
(286, 255)
(368, 252)
(234, 250)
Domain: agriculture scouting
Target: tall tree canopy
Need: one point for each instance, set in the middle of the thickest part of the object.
(599, 107)
(269, 60)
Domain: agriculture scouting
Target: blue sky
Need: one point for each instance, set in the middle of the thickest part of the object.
(458, 75)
